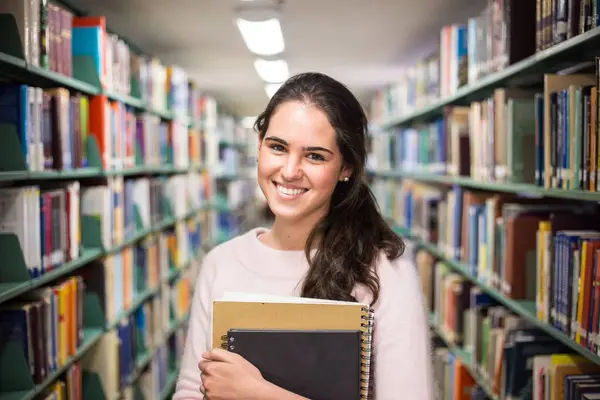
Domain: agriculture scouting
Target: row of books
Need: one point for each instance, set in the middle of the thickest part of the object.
(53, 127)
(52, 36)
(146, 332)
(120, 278)
(124, 207)
(453, 378)
(47, 325)
(547, 138)
(501, 34)
(46, 220)
(507, 353)
(504, 33)
(544, 252)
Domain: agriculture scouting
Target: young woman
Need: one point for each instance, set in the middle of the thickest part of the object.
(328, 241)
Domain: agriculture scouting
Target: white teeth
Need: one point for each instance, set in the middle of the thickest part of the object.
(289, 191)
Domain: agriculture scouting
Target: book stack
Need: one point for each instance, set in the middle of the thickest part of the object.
(319, 349)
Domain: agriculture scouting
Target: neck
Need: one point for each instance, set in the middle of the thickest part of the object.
(288, 235)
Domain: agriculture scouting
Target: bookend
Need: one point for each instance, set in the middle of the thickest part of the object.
(12, 157)
(12, 255)
(11, 43)
(91, 232)
(139, 224)
(167, 208)
(135, 90)
(84, 70)
(93, 153)
(16, 379)
(139, 155)
(93, 314)
(92, 388)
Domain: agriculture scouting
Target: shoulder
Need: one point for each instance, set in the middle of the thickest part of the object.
(240, 244)
(398, 280)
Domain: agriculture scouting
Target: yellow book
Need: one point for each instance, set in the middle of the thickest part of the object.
(542, 298)
(581, 267)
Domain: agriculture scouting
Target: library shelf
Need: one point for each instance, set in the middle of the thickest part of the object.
(553, 59)
(525, 309)
(142, 360)
(142, 297)
(523, 189)
(10, 290)
(90, 337)
(464, 357)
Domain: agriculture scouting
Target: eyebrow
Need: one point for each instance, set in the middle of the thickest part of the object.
(309, 148)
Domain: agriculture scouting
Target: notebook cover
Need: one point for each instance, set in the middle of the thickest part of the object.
(317, 364)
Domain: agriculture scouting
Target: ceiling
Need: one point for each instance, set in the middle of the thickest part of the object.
(363, 43)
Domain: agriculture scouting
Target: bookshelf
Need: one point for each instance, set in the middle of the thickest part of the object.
(484, 158)
(117, 174)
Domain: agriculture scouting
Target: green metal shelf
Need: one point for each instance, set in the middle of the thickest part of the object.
(554, 59)
(525, 309)
(517, 188)
(14, 289)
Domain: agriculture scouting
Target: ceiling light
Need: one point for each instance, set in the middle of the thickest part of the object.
(262, 37)
(271, 89)
(275, 71)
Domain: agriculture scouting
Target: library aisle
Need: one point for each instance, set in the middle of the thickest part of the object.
(120, 169)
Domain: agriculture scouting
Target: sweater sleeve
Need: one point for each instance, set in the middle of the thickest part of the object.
(198, 337)
(402, 365)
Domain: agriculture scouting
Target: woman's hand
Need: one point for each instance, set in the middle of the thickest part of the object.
(228, 376)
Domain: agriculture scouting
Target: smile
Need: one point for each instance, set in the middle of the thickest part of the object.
(289, 191)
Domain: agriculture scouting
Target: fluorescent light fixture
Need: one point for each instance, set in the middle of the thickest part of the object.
(271, 88)
(262, 38)
(275, 71)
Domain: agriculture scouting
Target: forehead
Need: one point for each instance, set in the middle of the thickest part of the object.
(301, 123)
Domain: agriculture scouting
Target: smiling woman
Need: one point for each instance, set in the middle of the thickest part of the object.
(328, 241)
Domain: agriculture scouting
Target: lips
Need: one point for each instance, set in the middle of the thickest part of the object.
(289, 191)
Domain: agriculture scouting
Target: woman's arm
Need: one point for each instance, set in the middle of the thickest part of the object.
(198, 335)
(401, 340)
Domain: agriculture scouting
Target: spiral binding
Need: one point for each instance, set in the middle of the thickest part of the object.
(367, 350)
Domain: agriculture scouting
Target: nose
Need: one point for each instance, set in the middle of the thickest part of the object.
(291, 170)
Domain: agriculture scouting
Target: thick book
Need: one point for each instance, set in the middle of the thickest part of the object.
(248, 311)
(317, 364)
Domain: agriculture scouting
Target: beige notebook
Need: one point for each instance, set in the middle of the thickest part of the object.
(237, 310)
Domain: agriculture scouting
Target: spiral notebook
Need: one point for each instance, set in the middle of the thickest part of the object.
(236, 312)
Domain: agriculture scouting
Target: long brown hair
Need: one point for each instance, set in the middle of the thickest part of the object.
(353, 232)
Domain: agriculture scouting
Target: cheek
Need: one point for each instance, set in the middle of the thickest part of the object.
(323, 178)
(267, 164)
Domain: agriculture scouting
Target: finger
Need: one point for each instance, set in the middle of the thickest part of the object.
(220, 355)
(204, 365)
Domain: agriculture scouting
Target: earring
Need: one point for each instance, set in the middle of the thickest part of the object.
(346, 179)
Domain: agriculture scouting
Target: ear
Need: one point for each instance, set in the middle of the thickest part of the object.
(346, 172)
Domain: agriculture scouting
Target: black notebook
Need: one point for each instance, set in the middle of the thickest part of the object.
(317, 364)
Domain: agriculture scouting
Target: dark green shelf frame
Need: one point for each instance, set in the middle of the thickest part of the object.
(523, 189)
(525, 309)
(527, 71)
(15, 281)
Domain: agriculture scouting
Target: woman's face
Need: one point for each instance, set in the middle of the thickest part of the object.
(299, 162)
